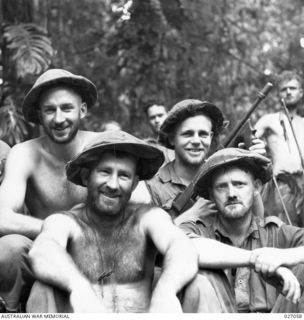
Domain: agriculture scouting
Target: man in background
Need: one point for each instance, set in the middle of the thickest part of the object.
(285, 152)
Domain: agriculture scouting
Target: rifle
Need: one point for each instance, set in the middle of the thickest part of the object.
(181, 201)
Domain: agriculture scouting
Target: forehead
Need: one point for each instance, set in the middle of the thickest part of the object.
(290, 83)
(199, 122)
(231, 173)
(154, 109)
(114, 159)
(59, 92)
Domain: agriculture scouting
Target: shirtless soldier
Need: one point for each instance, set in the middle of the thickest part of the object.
(276, 130)
(35, 169)
(101, 254)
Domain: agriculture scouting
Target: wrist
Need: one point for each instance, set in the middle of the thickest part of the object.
(78, 283)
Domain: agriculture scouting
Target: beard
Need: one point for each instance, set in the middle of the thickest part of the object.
(73, 129)
(107, 203)
(233, 210)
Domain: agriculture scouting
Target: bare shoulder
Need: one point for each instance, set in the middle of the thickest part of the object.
(24, 156)
(266, 120)
(59, 223)
(87, 136)
(28, 148)
(152, 215)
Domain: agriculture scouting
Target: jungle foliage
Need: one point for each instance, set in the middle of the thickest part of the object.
(134, 51)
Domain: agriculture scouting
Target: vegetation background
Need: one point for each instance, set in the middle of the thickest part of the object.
(138, 50)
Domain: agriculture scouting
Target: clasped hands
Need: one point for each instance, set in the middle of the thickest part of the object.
(272, 262)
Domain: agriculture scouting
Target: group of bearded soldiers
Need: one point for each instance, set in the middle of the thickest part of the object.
(101, 233)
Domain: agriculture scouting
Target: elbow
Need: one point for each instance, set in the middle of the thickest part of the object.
(35, 258)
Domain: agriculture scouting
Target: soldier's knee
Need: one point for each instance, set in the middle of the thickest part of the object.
(200, 296)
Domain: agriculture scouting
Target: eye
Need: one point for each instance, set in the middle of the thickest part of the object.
(220, 187)
(67, 107)
(239, 184)
(204, 135)
(125, 176)
(48, 110)
(103, 171)
(187, 134)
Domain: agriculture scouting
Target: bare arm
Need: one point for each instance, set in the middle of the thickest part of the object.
(141, 194)
(12, 194)
(267, 260)
(52, 264)
(214, 254)
(180, 259)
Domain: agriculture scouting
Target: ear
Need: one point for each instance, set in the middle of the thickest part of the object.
(210, 194)
(39, 116)
(83, 110)
(301, 91)
(257, 186)
(135, 183)
(171, 139)
(84, 174)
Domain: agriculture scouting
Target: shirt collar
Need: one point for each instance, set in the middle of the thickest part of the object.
(168, 174)
(253, 230)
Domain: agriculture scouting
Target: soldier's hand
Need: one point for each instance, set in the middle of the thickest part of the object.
(202, 208)
(258, 146)
(165, 302)
(83, 299)
(291, 287)
(266, 260)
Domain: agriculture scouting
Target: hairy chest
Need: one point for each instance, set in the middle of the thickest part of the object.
(125, 256)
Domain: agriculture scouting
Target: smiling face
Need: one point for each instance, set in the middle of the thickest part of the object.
(233, 190)
(61, 110)
(110, 183)
(192, 140)
(291, 92)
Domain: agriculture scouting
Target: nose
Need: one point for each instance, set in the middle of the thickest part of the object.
(288, 90)
(59, 117)
(196, 139)
(231, 192)
(112, 182)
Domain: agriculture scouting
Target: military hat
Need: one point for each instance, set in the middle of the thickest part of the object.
(257, 164)
(149, 158)
(186, 109)
(81, 85)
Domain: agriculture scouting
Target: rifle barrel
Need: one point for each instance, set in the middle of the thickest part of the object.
(261, 95)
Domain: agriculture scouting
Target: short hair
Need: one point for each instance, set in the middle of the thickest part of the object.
(193, 111)
(289, 75)
(243, 166)
(94, 160)
(150, 103)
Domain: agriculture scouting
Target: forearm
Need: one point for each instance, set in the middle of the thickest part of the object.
(292, 256)
(179, 267)
(184, 217)
(214, 254)
(18, 223)
(53, 265)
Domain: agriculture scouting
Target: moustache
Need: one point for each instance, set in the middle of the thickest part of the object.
(233, 202)
(109, 193)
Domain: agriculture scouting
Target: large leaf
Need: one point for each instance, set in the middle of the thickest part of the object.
(31, 49)
(12, 124)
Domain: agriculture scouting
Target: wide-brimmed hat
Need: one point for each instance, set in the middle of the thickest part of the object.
(257, 164)
(185, 109)
(82, 85)
(149, 158)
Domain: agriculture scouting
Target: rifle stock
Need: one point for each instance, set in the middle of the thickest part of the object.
(181, 201)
